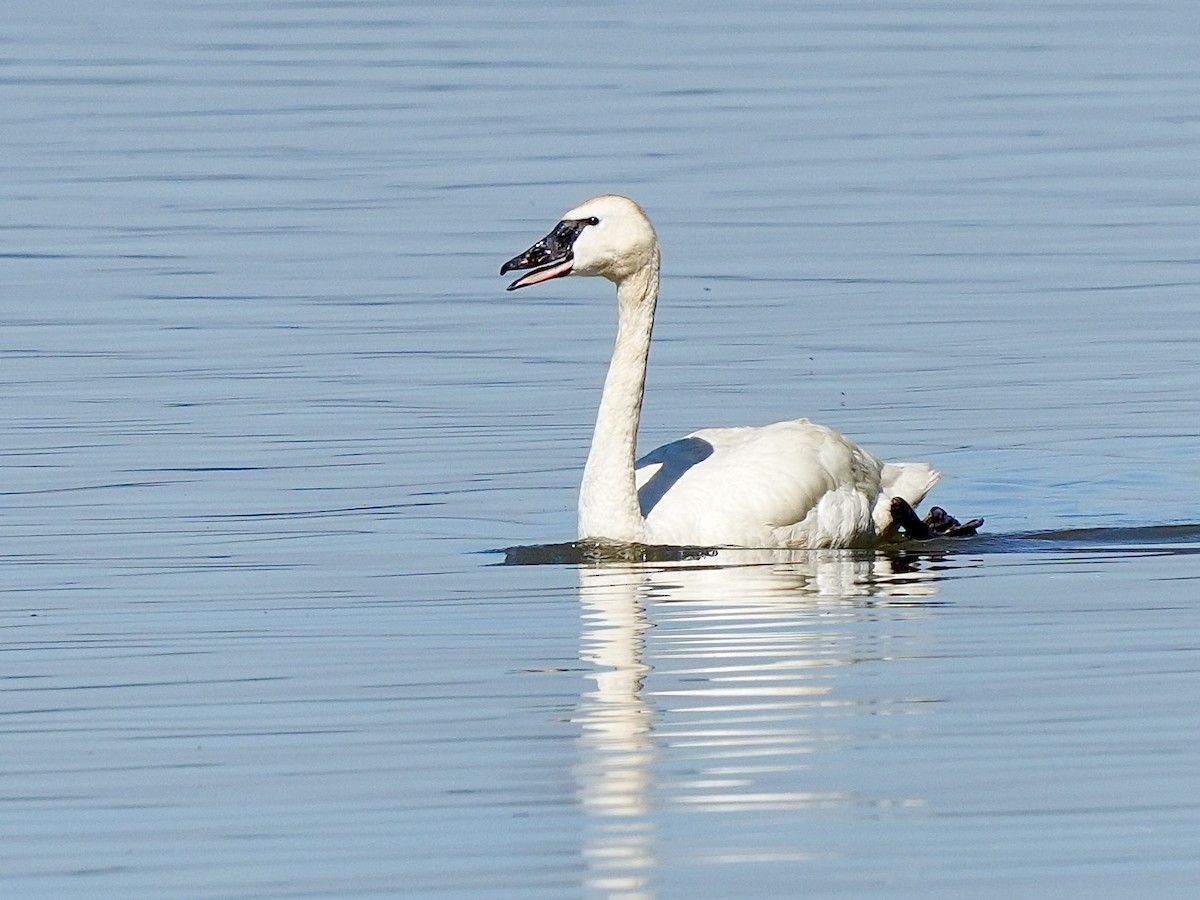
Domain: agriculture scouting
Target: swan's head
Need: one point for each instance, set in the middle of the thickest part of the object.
(608, 236)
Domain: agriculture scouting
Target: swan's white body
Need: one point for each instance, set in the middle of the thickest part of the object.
(790, 484)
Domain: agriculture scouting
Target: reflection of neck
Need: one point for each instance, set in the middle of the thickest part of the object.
(616, 763)
(608, 503)
(616, 718)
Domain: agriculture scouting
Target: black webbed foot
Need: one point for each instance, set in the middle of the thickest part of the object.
(942, 524)
(938, 523)
(907, 520)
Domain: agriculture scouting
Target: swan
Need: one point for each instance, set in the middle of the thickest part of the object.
(790, 484)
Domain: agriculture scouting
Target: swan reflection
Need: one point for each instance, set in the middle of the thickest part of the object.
(737, 665)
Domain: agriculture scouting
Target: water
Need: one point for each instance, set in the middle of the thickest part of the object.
(266, 407)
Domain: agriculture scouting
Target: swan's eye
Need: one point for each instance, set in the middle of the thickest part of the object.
(592, 220)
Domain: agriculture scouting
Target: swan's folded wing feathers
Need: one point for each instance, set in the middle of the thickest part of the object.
(758, 481)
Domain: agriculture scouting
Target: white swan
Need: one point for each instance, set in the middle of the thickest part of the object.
(791, 484)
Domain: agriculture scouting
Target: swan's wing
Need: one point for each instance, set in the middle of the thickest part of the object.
(659, 470)
(759, 486)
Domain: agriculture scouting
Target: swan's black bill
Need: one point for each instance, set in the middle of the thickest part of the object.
(551, 257)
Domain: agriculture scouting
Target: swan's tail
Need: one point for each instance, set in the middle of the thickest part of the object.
(911, 481)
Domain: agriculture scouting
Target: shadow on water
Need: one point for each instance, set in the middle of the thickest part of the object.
(1179, 539)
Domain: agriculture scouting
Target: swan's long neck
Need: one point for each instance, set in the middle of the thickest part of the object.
(608, 501)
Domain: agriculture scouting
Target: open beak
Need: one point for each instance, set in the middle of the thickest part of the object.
(551, 257)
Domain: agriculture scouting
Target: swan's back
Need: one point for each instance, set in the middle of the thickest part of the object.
(788, 484)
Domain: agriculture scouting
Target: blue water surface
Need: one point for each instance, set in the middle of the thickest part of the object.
(265, 408)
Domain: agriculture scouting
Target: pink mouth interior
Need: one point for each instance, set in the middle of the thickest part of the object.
(540, 275)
